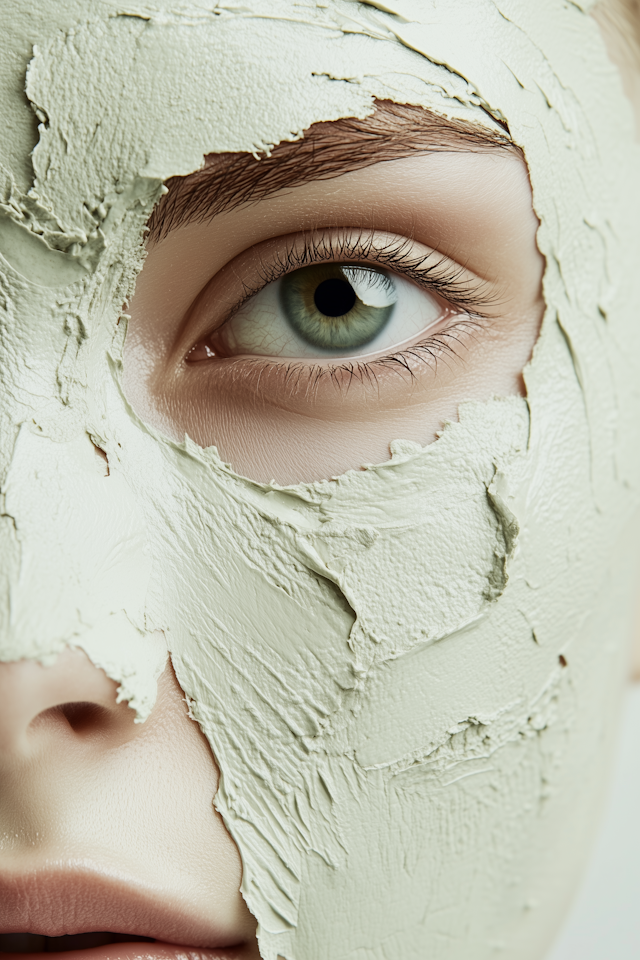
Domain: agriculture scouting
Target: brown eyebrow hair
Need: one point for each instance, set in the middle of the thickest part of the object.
(329, 149)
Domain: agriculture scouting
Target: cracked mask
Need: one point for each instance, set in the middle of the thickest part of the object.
(408, 673)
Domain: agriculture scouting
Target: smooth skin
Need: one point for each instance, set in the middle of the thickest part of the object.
(84, 787)
(87, 790)
(474, 208)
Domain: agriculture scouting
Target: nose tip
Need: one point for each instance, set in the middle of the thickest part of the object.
(72, 698)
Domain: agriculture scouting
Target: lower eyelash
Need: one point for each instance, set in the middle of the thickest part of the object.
(431, 351)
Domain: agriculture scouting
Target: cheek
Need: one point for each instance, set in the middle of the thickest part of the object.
(390, 673)
(313, 610)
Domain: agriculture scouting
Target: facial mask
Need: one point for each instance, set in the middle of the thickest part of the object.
(408, 674)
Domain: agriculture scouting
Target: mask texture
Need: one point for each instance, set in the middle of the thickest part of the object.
(407, 674)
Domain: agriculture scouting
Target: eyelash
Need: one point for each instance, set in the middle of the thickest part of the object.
(441, 277)
(297, 375)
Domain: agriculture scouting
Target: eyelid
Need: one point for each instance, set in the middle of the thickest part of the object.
(289, 379)
(425, 266)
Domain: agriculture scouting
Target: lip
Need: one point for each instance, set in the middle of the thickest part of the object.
(77, 899)
(138, 951)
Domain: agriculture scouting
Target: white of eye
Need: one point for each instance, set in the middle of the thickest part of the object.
(260, 328)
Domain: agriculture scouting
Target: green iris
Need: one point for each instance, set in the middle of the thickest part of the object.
(337, 306)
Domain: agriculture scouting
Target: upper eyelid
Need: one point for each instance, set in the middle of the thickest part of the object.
(395, 254)
(443, 276)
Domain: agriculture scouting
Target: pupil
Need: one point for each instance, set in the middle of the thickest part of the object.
(334, 297)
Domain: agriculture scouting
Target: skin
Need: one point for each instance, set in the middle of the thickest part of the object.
(474, 208)
(67, 749)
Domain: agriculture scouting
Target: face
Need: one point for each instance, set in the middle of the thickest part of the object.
(318, 555)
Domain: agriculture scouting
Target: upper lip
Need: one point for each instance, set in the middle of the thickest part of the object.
(78, 898)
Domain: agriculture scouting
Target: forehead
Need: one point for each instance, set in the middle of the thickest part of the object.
(125, 101)
(151, 93)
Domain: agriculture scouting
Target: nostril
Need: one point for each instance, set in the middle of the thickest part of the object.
(82, 718)
(85, 718)
(70, 700)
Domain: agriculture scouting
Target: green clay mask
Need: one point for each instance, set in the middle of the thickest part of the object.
(407, 766)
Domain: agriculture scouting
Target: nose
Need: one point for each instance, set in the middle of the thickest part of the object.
(70, 700)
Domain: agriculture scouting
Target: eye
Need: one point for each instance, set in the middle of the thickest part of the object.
(301, 333)
(325, 311)
(337, 307)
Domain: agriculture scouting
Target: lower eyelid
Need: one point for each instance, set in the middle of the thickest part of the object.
(297, 378)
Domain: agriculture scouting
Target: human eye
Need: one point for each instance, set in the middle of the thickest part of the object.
(302, 333)
(343, 298)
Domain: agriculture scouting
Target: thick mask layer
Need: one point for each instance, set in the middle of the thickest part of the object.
(407, 767)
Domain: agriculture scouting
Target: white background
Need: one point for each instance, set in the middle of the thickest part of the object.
(604, 923)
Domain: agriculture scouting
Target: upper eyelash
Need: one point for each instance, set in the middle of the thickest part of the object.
(441, 276)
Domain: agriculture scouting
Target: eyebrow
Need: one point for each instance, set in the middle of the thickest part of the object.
(327, 150)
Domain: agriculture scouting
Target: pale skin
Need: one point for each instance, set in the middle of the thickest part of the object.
(66, 747)
(475, 207)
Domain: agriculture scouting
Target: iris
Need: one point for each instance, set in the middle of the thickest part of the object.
(338, 306)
